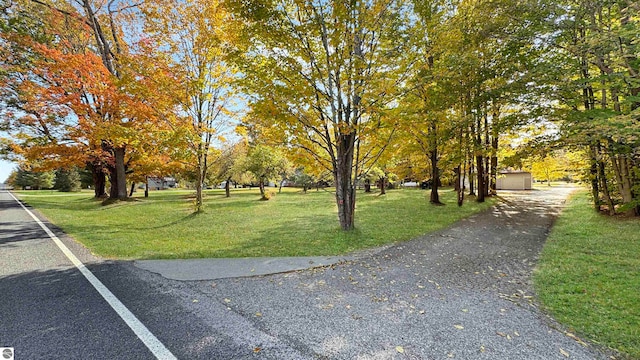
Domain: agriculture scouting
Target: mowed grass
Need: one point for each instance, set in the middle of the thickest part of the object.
(588, 276)
(290, 224)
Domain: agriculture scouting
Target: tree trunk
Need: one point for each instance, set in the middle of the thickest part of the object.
(383, 183)
(146, 186)
(487, 144)
(120, 176)
(593, 175)
(480, 177)
(199, 202)
(367, 185)
(262, 192)
(99, 179)
(227, 188)
(343, 171)
(602, 177)
(459, 184)
(133, 187)
(435, 177)
(494, 164)
(623, 178)
(472, 182)
(479, 159)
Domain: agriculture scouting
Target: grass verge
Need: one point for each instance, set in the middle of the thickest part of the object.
(290, 224)
(588, 276)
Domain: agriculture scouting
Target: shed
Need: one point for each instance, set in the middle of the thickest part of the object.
(514, 180)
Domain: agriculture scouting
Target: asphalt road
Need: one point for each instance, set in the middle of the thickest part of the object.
(463, 293)
(48, 309)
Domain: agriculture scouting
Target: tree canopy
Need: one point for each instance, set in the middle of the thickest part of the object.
(435, 91)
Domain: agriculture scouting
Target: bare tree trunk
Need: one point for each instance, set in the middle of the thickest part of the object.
(199, 207)
(604, 186)
(621, 171)
(593, 175)
(146, 186)
(227, 187)
(345, 192)
(435, 178)
(121, 180)
(262, 191)
(133, 188)
(494, 164)
(459, 184)
(99, 179)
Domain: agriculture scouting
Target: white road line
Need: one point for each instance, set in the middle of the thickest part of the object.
(154, 345)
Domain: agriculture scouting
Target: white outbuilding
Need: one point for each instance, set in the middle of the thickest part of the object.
(514, 180)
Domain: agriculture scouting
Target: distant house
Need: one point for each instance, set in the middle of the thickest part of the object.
(514, 180)
(161, 183)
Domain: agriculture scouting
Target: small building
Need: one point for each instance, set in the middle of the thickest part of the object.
(514, 180)
(161, 183)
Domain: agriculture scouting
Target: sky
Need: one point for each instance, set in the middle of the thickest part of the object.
(5, 169)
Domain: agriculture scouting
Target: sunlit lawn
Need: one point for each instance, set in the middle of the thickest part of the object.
(589, 276)
(290, 224)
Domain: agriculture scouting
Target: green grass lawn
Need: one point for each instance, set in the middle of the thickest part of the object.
(290, 224)
(588, 276)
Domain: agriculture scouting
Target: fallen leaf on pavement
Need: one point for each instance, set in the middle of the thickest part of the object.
(566, 354)
(459, 327)
(400, 349)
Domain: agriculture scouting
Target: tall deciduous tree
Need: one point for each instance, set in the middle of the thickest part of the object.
(324, 74)
(196, 37)
(70, 98)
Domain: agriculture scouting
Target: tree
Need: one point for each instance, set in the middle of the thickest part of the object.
(596, 56)
(194, 38)
(324, 76)
(547, 168)
(67, 180)
(68, 95)
(301, 178)
(35, 180)
(265, 163)
(227, 166)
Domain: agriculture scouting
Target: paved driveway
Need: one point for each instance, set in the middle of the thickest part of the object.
(464, 293)
(460, 293)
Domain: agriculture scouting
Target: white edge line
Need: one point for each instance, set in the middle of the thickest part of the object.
(154, 345)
